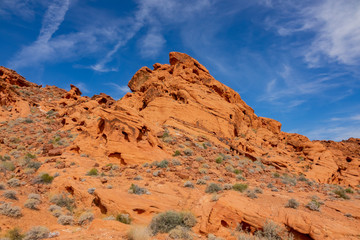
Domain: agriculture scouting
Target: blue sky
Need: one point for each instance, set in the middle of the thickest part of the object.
(294, 61)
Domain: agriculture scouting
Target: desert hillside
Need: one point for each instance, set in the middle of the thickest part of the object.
(74, 167)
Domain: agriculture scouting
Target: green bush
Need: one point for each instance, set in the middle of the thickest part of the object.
(93, 172)
(314, 205)
(63, 201)
(240, 187)
(213, 187)
(177, 153)
(46, 178)
(7, 165)
(219, 160)
(340, 192)
(124, 218)
(165, 222)
(14, 234)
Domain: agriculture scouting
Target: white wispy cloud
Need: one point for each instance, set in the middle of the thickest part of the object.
(292, 89)
(41, 50)
(18, 8)
(152, 14)
(355, 117)
(335, 25)
(336, 133)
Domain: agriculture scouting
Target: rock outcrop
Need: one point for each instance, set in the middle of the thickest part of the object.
(178, 124)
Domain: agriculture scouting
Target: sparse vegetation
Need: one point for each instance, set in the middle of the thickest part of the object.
(124, 218)
(13, 182)
(240, 187)
(341, 193)
(63, 200)
(135, 189)
(188, 152)
(8, 210)
(14, 234)
(213, 188)
(37, 233)
(292, 203)
(10, 194)
(93, 172)
(85, 218)
(177, 153)
(189, 184)
(314, 205)
(32, 204)
(45, 178)
(180, 232)
(164, 222)
(66, 220)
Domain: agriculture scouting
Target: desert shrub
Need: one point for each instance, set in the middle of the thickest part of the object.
(251, 194)
(14, 234)
(138, 177)
(7, 165)
(135, 189)
(2, 186)
(302, 178)
(32, 204)
(219, 160)
(340, 192)
(66, 220)
(213, 187)
(349, 190)
(180, 232)
(34, 196)
(240, 177)
(63, 201)
(163, 164)
(240, 187)
(34, 165)
(124, 218)
(156, 173)
(201, 182)
(11, 211)
(10, 194)
(292, 203)
(237, 171)
(93, 172)
(177, 153)
(189, 184)
(46, 178)
(314, 205)
(227, 186)
(164, 222)
(188, 152)
(55, 210)
(85, 218)
(13, 182)
(37, 233)
(258, 190)
(270, 231)
(276, 175)
(175, 162)
(289, 180)
(138, 233)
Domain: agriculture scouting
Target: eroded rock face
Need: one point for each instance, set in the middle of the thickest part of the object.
(176, 112)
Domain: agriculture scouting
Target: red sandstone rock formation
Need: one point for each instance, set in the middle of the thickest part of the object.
(177, 107)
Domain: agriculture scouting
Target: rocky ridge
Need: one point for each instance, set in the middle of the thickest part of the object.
(178, 125)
